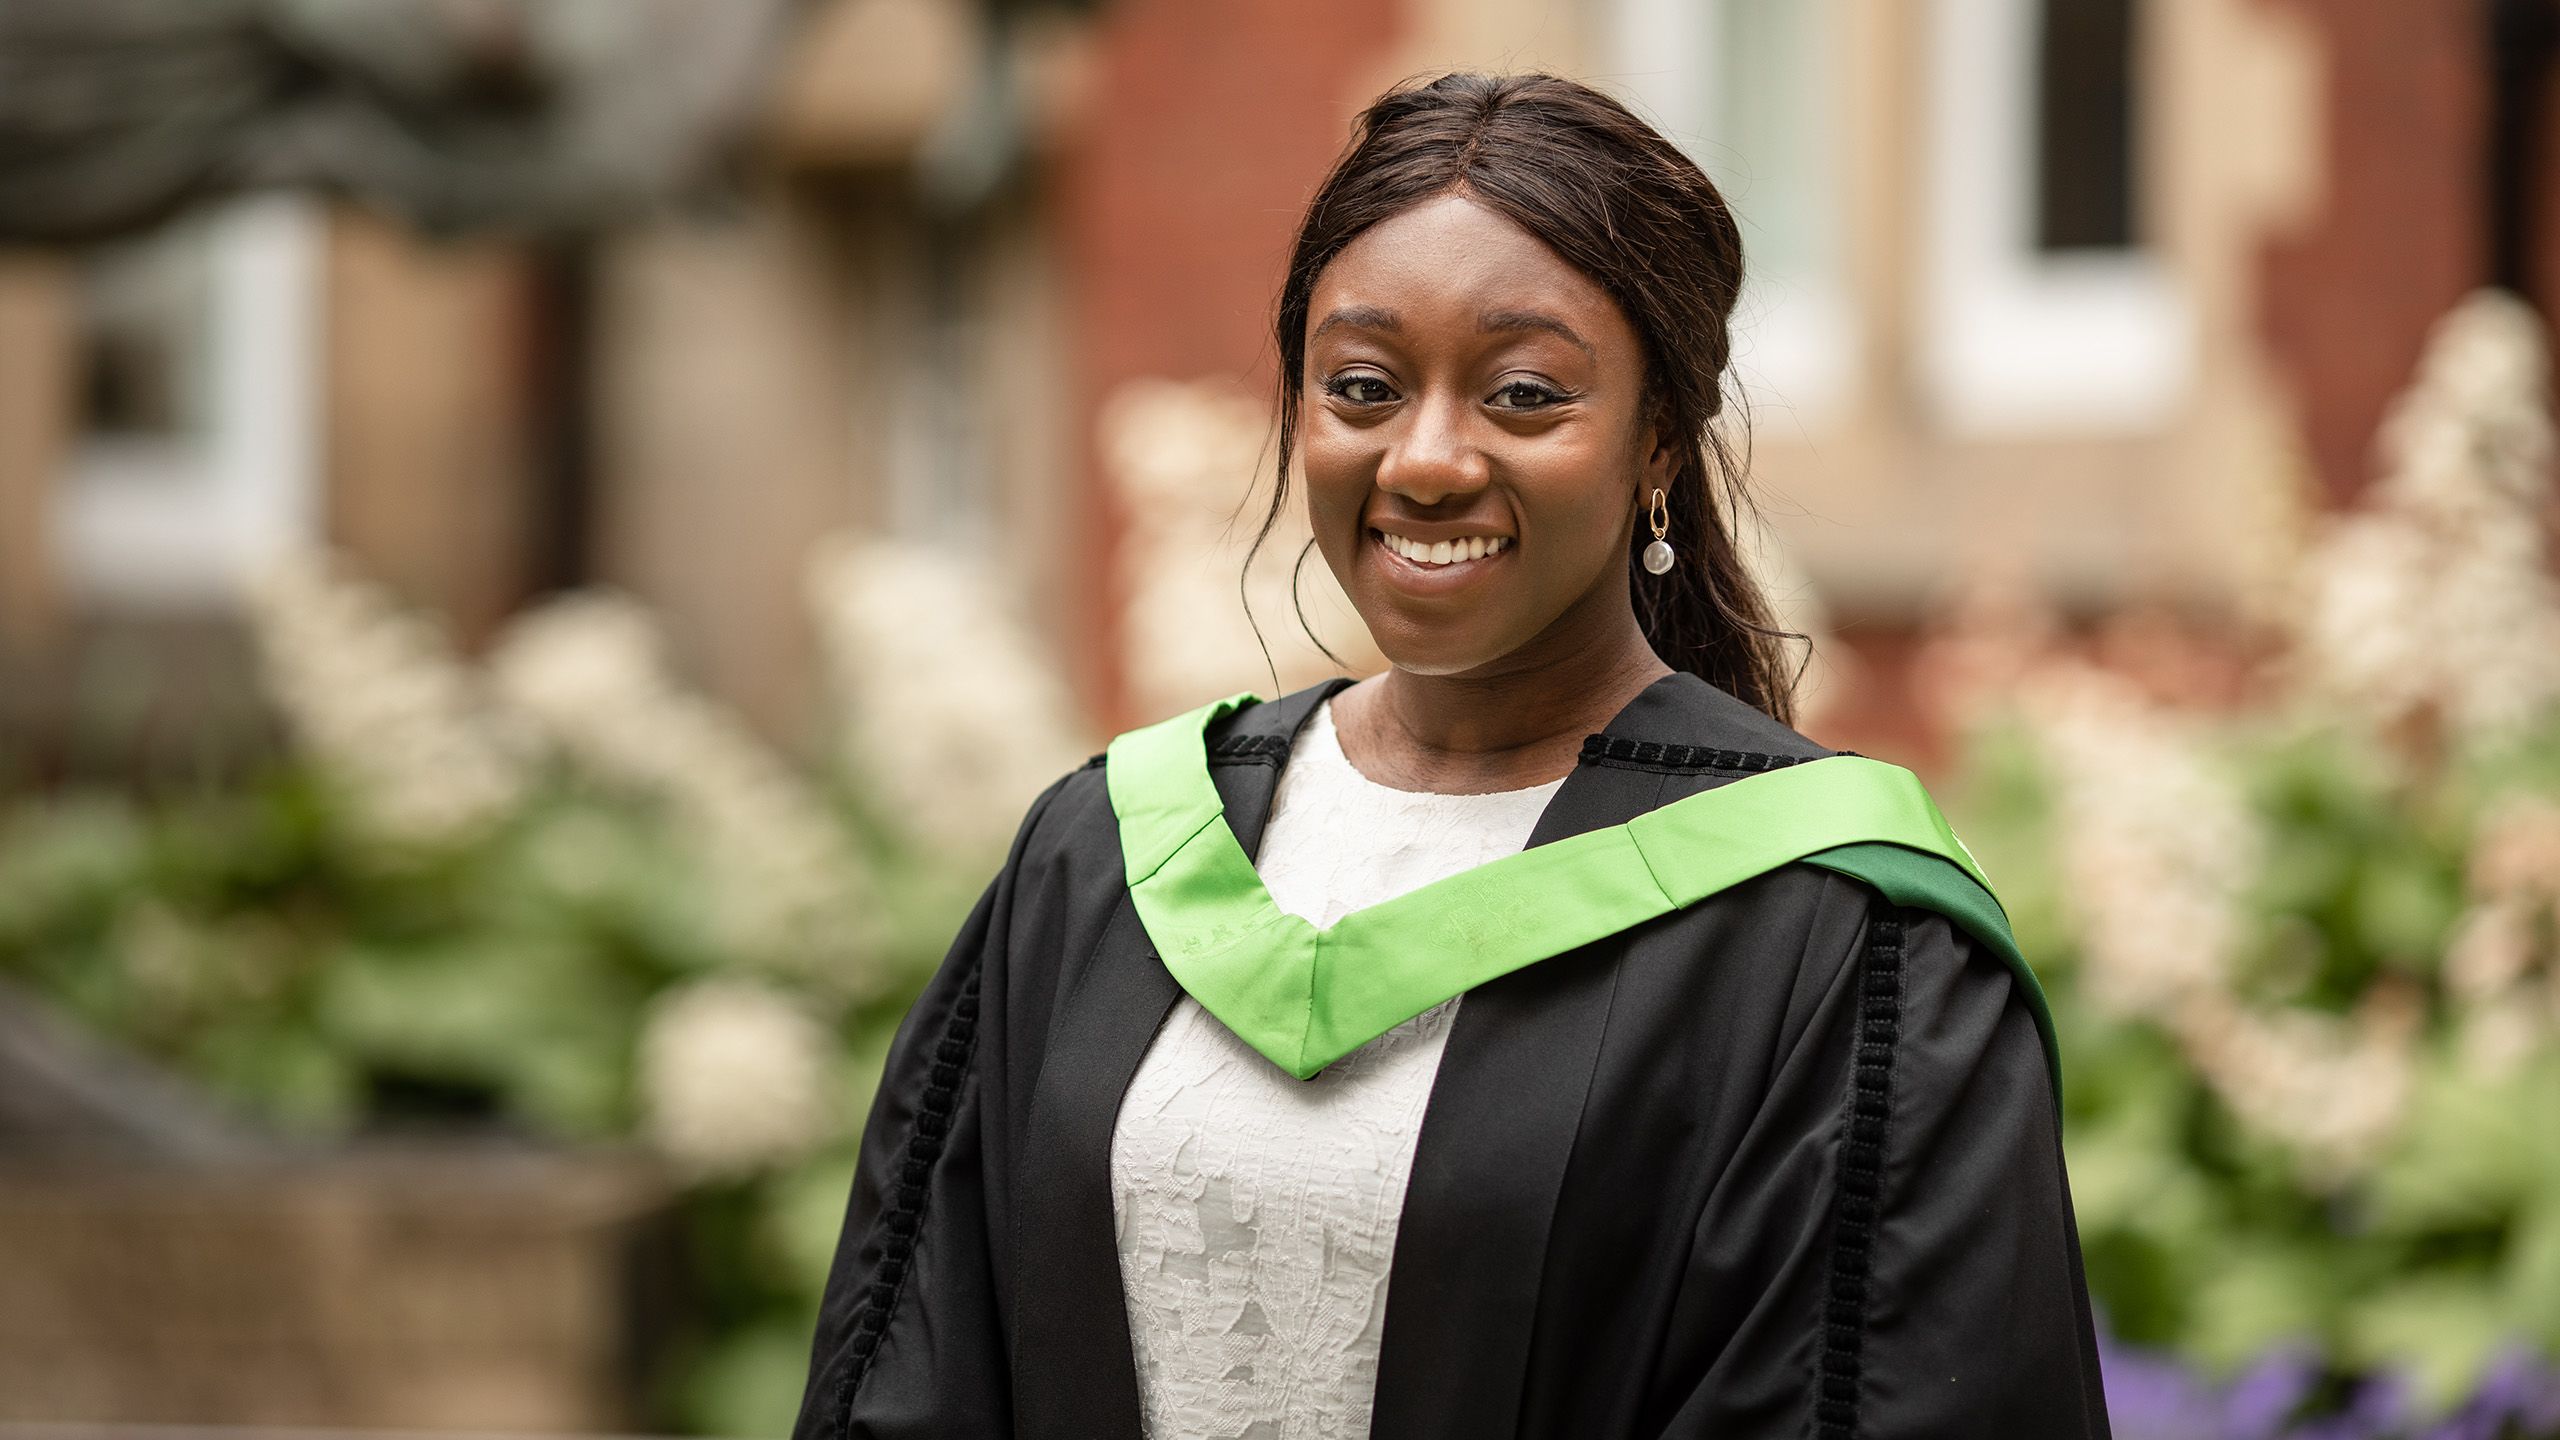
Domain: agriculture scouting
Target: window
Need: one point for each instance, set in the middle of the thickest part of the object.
(196, 449)
(2085, 151)
(940, 469)
(1748, 88)
(2047, 308)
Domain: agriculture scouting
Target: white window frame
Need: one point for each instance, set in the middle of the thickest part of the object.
(180, 524)
(1798, 340)
(2016, 341)
(939, 466)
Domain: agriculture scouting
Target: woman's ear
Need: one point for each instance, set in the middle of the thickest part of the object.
(1661, 455)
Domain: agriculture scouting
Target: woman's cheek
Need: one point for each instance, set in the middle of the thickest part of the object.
(1336, 489)
(1327, 446)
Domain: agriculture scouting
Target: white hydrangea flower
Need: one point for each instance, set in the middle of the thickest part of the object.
(787, 887)
(2491, 950)
(949, 707)
(2516, 851)
(2158, 846)
(2433, 610)
(2500, 967)
(2363, 632)
(1183, 459)
(734, 1077)
(2333, 1090)
(374, 693)
(2438, 599)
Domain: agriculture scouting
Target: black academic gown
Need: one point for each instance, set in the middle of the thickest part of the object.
(1783, 1164)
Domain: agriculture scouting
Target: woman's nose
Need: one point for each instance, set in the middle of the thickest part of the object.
(1432, 455)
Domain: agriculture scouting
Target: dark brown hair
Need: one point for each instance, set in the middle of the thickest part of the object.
(1617, 201)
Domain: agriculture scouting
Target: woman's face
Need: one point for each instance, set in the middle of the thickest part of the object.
(1465, 384)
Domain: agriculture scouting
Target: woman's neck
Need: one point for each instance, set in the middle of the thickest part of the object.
(1468, 734)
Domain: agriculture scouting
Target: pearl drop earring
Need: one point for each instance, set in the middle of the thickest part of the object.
(1657, 556)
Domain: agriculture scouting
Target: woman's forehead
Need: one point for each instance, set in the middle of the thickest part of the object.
(1454, 263)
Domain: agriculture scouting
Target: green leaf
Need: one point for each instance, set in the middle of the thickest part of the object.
(541, 1023)
(2404, 906)
(2465, 1156)
(65, 864)
(2443, 1328)
(2254, 1297)
(2126, 1175)
(2532, 1272)
(748, 1384)
(287, 1073)
(804, 1217)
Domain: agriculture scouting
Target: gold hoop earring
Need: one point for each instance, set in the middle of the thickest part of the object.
(1657, 556)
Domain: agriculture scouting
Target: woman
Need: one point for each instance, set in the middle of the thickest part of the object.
(1441, 1054)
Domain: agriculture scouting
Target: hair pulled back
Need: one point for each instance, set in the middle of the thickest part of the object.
(1620, 203)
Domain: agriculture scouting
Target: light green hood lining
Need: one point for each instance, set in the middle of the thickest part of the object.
(1306, 997)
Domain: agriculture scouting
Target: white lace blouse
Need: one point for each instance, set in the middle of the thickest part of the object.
(1257, 1212)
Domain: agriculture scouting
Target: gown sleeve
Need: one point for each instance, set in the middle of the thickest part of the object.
(909, 1340)
(1894, 1257)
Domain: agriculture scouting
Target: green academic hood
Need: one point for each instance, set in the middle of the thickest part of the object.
(1306, 997)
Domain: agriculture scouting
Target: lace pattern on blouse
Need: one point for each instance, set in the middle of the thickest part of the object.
(1256, 1212)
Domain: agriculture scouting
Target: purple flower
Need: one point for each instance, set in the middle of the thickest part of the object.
(2377, 1409)
(2261, 1404)
(2153, 1398)
(2518, 1399)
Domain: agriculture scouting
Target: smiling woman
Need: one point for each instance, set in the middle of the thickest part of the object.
(1475, 412)
(1538, 1039)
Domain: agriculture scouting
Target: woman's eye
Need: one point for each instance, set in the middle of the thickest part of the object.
(1359, 389)
(1525, 395)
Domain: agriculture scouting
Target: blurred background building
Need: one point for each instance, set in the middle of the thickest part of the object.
(2091, 295)
(701, 398)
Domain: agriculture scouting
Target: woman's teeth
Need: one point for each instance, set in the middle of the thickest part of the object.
(1445, 552)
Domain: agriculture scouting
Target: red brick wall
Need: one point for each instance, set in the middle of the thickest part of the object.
(2401, 231)
(1210, 125)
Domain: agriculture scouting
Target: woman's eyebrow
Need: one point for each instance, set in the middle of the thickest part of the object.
(1365, 317)
(1496, 320)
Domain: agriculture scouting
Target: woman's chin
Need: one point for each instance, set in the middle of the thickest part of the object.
(1432, 653)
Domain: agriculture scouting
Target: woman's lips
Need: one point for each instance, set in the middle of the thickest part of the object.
(1422, 577)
